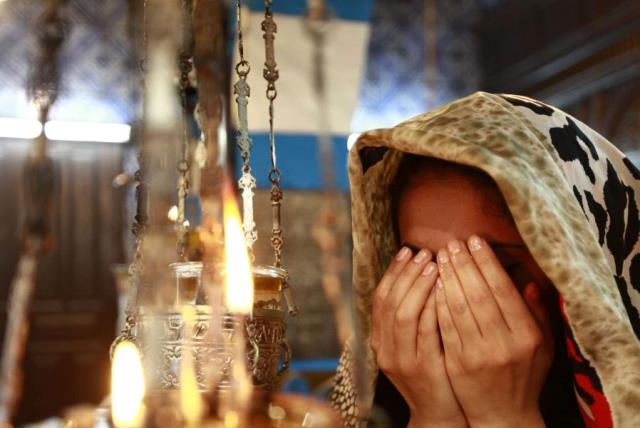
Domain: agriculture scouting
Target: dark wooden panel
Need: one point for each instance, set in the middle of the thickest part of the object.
(74, 310)
(561, 50)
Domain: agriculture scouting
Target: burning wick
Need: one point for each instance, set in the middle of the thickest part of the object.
(172, 215)
(127, 387)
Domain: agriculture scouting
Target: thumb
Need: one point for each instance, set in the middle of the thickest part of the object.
(538, 309)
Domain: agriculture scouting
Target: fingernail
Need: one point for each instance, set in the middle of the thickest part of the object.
(439, 284)
(403, 254)
(421, 256)
(475, 243)
(443, 257)
(429, 269)
(455, 247)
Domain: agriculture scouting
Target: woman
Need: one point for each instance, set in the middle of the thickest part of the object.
(526, 230)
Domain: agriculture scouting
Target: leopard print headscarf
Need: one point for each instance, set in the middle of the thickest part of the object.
(572, 195)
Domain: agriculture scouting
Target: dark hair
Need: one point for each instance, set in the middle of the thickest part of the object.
(558, 403)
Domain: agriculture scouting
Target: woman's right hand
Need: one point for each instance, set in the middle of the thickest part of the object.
(407, 344)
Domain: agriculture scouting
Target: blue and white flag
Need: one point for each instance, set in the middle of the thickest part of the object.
(296, 106)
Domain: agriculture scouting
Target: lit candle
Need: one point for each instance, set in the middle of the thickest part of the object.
(239, 301)
(239, 281)
(127, 387)
(190, 399)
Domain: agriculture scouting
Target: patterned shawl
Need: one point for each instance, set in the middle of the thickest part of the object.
(572, 195)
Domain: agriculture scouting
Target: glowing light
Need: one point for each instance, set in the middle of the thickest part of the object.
(172, 215)
(351, 140)
(87, 131)
(19, 128)
(239, 281)
(190, 400)
(127, 387)
(65, 131)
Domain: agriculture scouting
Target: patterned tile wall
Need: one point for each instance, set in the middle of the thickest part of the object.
(395, 85)
(95, 60)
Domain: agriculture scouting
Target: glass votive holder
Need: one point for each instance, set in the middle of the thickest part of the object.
(268, 282)
(188, 281)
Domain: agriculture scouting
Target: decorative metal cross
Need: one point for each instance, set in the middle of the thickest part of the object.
(243, 91)
(247, 183)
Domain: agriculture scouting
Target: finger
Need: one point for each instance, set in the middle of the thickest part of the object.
(392, 272)
(408, 313)
(456, 301)
(512, 306)
(405, 279)
(428, 338)
(391, 304)
(450, 338)
(483, 306)
(539, 310)
(379, 295)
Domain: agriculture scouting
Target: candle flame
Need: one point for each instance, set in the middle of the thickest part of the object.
(127, 386)
(191, 402)
(173, 213)
(239, 281)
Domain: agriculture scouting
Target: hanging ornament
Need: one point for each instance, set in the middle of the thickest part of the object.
(186, 66)
(247, 181)
(271, 74)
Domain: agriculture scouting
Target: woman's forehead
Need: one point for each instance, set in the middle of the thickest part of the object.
(431, 216)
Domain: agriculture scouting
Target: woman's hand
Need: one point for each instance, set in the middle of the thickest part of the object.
(497, 350)
(407, 344)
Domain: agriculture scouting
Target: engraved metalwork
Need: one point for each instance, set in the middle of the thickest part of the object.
(164, 339)
(271, 75)
(247, 182)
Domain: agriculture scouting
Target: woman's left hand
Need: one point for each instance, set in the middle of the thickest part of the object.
(498, 347)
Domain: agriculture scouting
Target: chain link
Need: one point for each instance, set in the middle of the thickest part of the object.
(185, 65)
(247, 181)
(271, 75)
(138, 228)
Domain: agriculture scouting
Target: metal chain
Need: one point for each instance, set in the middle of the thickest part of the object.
(138, 228)
(270, 73)
(185, 65)
(247, 181)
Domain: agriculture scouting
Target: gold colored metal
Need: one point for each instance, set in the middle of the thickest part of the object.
(271, 75)
(185, 65)
(164, 340)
